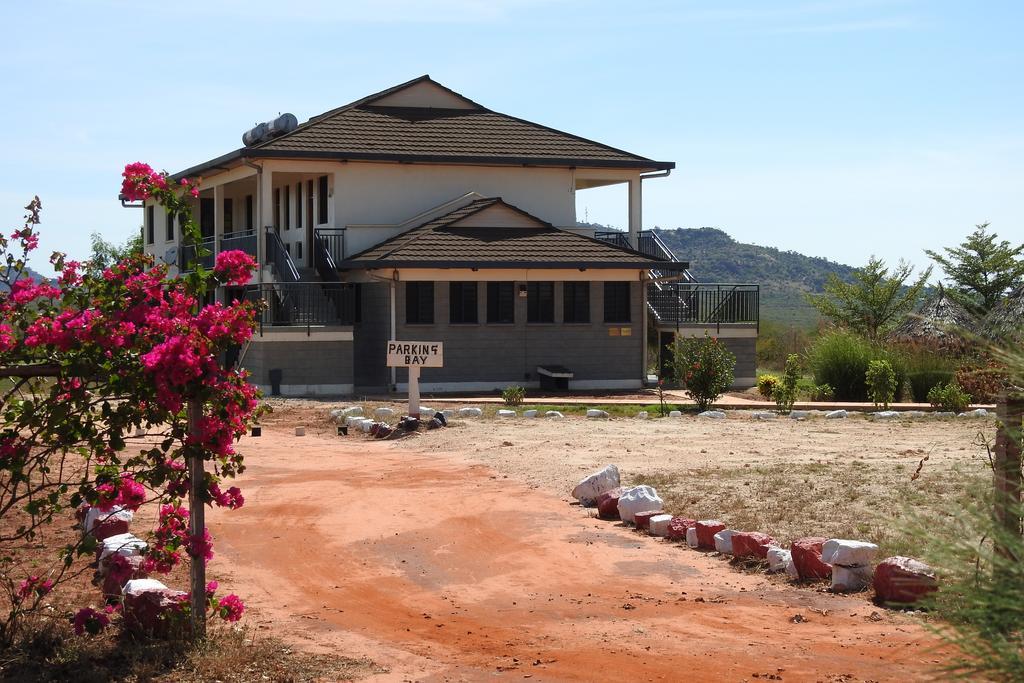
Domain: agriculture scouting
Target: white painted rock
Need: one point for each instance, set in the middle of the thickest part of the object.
(723, 541)
(691, 537)
(675, 413)
(448, 413)
(353, 420)
(115, 514)
(470, 412)
(780, 560)
(349, 411)
(139, 586)
(638, 499)
(122, 544)
(506, 413)
(914, 413)
(839, 551)
(593, 412)
(978, 412)
(763, 415)
(593, 485)
(799, 414)
(529, 413)
(885, 414)
(365, 426)
(382, 412)
(554, 414)
(659, 525)
(849, 579)
(642, 415)
(943, 413)
(836, 415)
(713, 414)
(424, 410)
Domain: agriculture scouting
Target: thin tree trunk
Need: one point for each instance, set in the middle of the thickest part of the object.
(1007, 468)
(197, 525)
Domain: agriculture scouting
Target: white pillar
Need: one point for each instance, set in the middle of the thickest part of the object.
(635, 211)
(264, 213)
(643, 321)
(332, 200)
(394, 326)
(414, 391)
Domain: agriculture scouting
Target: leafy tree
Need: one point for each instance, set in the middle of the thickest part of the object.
(982, 269)
(874, 301)
(105, 254)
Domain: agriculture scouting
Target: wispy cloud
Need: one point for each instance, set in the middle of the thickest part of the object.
(890, 24)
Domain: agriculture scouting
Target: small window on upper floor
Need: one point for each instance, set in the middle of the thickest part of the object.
(277, 208)
(462, 306)
(501, 302)
(287, 207)
(298, 250)
(150, 229)
(169, 226)
(229, 216)
(576, 302)
(248, 211)
(321, 200)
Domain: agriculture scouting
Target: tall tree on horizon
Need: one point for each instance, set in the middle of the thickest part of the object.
(981, 269)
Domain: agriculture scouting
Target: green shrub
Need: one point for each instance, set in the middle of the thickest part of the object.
(704, 367)
(926, 368)
(785, 392)
(766, 385)
(881, 382)
(840, 359)
(823, 392)
(513, 395)
(983, 382)
(949, 397)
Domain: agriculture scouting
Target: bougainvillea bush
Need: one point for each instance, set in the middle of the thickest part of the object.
(87, 360)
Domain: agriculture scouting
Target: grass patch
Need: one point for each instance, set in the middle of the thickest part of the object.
(49, 652)
(857, 499)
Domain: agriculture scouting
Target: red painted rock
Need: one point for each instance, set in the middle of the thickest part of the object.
(111, 527)
(677, 528)
(643, 519)
(706, 530)
(121, 570)
(751, 544)
(608, 504)
(152, 609)
(807, 558)
(902, 579)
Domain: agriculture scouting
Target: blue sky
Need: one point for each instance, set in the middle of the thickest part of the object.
(838, 128)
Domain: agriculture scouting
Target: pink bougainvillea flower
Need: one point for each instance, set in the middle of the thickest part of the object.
(88, 620)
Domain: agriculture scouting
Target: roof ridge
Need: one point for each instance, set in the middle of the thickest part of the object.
(444, 220)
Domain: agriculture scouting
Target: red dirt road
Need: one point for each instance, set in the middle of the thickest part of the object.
(439, 569)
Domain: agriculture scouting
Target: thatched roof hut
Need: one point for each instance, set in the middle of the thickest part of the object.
(1006, 321)
(939, 322)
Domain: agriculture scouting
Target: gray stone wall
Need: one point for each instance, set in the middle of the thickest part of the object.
(510, 353)
(304, 361)
(745, 350)
(371, 336)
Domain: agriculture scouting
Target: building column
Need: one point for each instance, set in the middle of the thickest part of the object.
(635, 211)
(332, 200)
(265, 209)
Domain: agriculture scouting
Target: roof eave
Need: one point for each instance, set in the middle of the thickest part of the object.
(642, 165)
(546, 265)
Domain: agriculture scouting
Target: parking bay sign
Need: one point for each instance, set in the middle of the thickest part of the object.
(407, 354)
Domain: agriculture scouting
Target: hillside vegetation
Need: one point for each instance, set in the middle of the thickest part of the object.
(784, 276)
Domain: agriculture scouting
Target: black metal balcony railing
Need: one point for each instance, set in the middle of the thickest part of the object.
(278, 256)
(188, 259)
(685, 303)
(242, 240)
(304, 304)
(328, 250)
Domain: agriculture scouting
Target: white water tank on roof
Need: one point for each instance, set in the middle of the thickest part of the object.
(285, 123)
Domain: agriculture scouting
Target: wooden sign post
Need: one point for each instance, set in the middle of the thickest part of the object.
(415, 355)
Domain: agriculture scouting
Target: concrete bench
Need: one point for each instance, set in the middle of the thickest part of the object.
(554, 377)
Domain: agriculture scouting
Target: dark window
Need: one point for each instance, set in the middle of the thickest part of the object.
(169, 227)
(298, 205)
(206, 217)
(287, 207)
(248, 211)
(321, 200)
(277, 209)
(229, 217)
(616, 302)
(419, 303)
(501, 302)
(462, 302)
(309, 203)
(298, 250)
(576, 302)
(540, 302)
(150, 237)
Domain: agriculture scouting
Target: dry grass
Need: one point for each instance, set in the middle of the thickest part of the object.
(52, 653)
(854, 499)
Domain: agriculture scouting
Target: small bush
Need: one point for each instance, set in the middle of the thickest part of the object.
(949, 397)
(982, 382)
(513, 395)
(927, 367)
(704, 367)
(766, 385)
(823, 392)
(785, 393)
(881, 382)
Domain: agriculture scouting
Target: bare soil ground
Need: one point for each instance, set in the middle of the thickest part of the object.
(455, 554)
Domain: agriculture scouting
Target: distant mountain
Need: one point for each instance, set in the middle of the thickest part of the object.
(784, 276)
(38, 277)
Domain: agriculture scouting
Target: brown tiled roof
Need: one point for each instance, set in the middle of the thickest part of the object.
(441, 243)
(364, 131)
